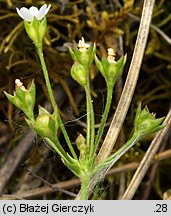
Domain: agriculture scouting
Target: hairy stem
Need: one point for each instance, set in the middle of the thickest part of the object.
(90, 121)
(84, 191)
(104, 117)
(46, 76)
(53, 102)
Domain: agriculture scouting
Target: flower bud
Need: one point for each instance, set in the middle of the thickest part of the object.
(45, 124)
(81, 145)
(84, 55)
(145, 122)
(79, 73)
(23, 98)
(110, 68)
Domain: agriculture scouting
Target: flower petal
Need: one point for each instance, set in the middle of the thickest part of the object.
(42, 12)
(18, 11)
(34, 11)
(25, 14)
(29, 14)
(47, 9)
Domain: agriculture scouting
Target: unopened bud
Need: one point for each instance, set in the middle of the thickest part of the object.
(79, 73)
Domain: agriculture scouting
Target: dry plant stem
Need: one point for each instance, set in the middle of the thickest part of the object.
(131, 81)
(150, 182)
(9, 3)
(49, 184)
(14, 159)
(153, 172)
(155, 28)
(122, 181)
(42, 190)
(147, 160)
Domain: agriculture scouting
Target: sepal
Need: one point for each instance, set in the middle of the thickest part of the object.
(36, 30)
(145, 122)
(110, 71)
(83, 56)
(24, 99)
(45, 124)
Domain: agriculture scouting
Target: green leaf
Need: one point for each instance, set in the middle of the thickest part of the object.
(73, 165)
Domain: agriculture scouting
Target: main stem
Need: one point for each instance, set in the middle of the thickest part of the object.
(84, 192)
(104, 167)
(53, 102)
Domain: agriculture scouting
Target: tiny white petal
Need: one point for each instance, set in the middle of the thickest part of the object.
(82, 45)
(42, 12)
(20, 85)
(18, 82)
(48, 8)
(34, 11)
(111, 52)
(26, 14)
(18, 11)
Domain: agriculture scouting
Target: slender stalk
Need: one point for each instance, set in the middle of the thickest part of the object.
(53, 102)
(90, 120)
(67, 139)
(121, 151)
(104, 117)
(55, 144)
(102, 169)
(46, 76)
(130, 84)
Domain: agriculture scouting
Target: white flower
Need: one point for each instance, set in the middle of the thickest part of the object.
(111, 56)
(82, 45)
(19, 84)
(29, 14)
